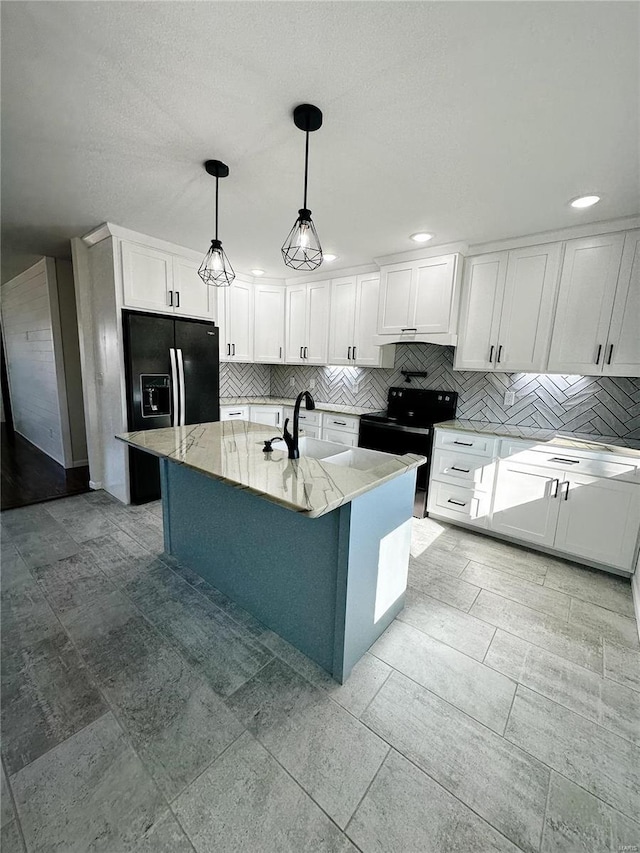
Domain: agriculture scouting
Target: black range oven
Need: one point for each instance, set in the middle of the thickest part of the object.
(406, 426)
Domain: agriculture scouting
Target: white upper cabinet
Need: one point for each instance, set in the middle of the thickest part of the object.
(418, 299)
(268, 343)
(354, 314)
(236, 306)
(585, 304)
(191, 296)
(154, 280)
(147, 277)
(307, 323)
(622, 356)
(507, 309)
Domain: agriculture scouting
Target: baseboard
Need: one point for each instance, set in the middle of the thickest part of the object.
(95, 484)
(41, 449)
(79, 463)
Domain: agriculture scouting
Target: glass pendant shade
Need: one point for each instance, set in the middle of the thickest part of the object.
(215, 269)
(302, 250)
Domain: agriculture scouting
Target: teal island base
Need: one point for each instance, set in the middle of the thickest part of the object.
(328, 585)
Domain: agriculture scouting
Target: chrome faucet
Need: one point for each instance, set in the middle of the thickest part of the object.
(292, 440)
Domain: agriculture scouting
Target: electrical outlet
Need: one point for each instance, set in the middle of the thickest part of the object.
(509, 398)
(292, 382)
(312, 385)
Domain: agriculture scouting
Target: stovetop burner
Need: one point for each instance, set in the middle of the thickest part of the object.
(415, 407)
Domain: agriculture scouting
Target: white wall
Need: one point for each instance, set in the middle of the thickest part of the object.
(33, 339)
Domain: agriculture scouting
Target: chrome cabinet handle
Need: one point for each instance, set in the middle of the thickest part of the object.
(171, 299)
(464, 443)
(491, 354)
(598, 355)
(349, 354)
(177, 298)
(499, 354)
(556, 480)
(464, 470)
(610, 353)
(457, 503)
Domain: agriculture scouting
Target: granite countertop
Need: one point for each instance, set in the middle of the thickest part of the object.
(231, 451)
(577, 440)
(285, 401)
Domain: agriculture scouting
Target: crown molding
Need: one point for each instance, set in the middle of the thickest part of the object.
(425, 252)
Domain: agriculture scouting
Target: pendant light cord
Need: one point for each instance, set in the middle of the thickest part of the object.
(306, 167)
(216, 207)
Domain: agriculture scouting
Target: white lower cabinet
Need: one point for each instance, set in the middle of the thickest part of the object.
(234, 413)
(267, 415)
(581, 504)
(339, 436)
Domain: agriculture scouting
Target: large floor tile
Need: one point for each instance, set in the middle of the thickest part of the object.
(296, 660)
(80, 520)
(405, 810)
(622, 664)
(366, 678)
(603, 763)
(212, 642)
(246, 802)
(601, 588)
(45, 546)
(498, 781)
(72, 582)
(446, 623)
(578, 822)
(440, 559)
(614, 627)
(513, 559)
(119, 557)
(92, 793)
(28, 519)
(527, 592)
(606, 702)
(581, 645)
(483, 693)
(173, 718)
(111, 633)
(141, 528)
(442, 585)
(157, 586)
(10, 838)
(327, 751)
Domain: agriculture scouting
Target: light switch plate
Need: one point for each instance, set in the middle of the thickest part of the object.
(509, 398)
(292, 382)
(312, 384)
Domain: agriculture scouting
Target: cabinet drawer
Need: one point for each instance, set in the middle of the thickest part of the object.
(458, 503)
(342, 422)
(466, 442)
(574, 463)
(462, 469)
(234, 413)
(308, 418)
(340, 436)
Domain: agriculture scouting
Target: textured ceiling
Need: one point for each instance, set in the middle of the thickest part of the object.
(475, 121)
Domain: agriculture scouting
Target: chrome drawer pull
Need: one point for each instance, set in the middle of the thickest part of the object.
(464, 443)
(562, 459)
(464, 470)
(457, 503)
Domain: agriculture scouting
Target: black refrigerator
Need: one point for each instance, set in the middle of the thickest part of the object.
(173, 379)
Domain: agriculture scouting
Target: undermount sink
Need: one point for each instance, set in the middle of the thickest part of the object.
(314, 448)
(358, 457)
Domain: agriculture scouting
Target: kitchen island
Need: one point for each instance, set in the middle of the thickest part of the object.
(316, 548)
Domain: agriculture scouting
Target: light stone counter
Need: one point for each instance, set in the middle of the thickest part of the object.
(579, 441)
(285, 401)
(231, 451)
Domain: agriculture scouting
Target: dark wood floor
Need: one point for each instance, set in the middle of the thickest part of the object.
(29, 476)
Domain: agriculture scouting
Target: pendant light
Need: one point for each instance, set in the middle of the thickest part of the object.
(302, 249)
(215, 270)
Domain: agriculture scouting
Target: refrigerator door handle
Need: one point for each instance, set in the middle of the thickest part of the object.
(183, 396)
(174, 387)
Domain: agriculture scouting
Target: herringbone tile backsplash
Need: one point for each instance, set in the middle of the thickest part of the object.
(244, 380)
(597, 405)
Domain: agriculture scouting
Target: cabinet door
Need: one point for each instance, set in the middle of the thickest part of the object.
(296, 323)
(368, 294)
(267, 415)
(482, 292)
(147, 276)
(526, 502)
(339, 436)
(239, 321)
(342, 339)
(585, 302)
(191, 296)
(317, 344)
(622, 357)
(268, 344)
(599, 520)
(434, 294)
(397, 299)
(527, 308)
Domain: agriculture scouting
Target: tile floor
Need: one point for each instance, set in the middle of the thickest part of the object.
(143, 711)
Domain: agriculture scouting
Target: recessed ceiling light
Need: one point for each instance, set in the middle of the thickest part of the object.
(585, 201)
(421, 237)
(327, 256)
(257, 272)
